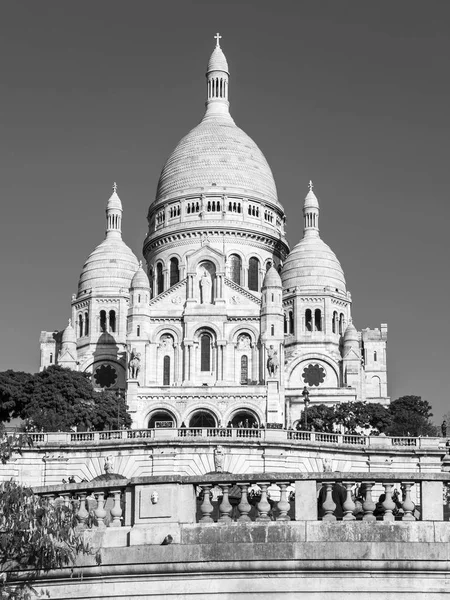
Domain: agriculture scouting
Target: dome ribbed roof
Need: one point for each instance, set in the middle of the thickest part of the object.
(215, 155)
(111, 265)
(312, 264)
(351, 334)
(69, 335)
(272, 278)
(217, 61)
(140, 279)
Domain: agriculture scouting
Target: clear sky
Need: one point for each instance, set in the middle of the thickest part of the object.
(353, 94)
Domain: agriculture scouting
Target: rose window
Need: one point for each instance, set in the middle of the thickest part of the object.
(105, 376)
(313, 375)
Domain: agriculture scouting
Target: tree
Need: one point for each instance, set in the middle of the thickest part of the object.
(377, 417)
(36, 534)
(59, 399)
(11, 385)
(411, 416)
(320, 416)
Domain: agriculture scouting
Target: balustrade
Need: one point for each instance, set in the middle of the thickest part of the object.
(225, 498)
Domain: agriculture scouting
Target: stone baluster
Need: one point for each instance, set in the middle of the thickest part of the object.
(244, 506)
(116, 510)
(348, 506)
(100, 512)
(368, 504)
(263, 505)
(65, 497)
(82, 513)
(407, 504)
(329, 506)
(206, 507)
(225, 507)
(283, 505)
(388, 504)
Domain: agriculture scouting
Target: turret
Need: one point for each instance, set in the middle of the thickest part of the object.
(114, 215)
(139, 310)
(311, 213)
(68, 354)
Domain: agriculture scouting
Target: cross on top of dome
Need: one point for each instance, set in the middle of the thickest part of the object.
(217, 37)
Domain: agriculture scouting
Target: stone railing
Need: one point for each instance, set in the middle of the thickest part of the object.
(279, 435)
(224, 498)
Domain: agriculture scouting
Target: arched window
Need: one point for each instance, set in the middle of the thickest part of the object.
(341, 324)
(202, 419)
(205, 352)
(375, 357)
(80, 325)
(272, 330)
(334, 322)
(166, 370)
(308, 319)
(138, 331)
(161, 419)
(174, 271)
(285, 324)
(268, 265)
(253, 274)
(244, 370)
(51, 357)
(235, 268)
(86, 323)
(317, 320)
(112, 321)
(159, 278)
(151, 280)
(291, 322)
(103, 321)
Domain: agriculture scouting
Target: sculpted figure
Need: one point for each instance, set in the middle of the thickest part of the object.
(272, 361)
(205, 287)
(134, 364)
(218, 459)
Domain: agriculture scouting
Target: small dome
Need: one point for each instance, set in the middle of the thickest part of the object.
(69, 335)
(110, 266)
(311, 199)
(140, 279)
(351, 334)
(272, 278)
(312, 265)
(217, 61)
(114, 202)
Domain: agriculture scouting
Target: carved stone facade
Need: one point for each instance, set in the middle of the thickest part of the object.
(224, 324)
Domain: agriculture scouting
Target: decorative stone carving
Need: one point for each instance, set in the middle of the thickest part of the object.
(219, 456)
(244, 342)
(235, 300)
(109, 464)
(176, 300)
(205, 287)
(272, 361)
(327, 465)
(134, 364)
(167, 341)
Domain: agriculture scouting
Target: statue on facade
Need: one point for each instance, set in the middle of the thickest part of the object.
(205, 287)
(219, 455)
(272, 361)
(109, 464)
(134, 364)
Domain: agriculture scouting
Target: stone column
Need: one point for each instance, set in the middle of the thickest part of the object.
(255, 361)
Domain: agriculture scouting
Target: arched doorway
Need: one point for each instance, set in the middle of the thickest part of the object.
(245, 419)
(162, 419)
(202, 419)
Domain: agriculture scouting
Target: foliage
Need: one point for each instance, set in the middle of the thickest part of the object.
(411, 416)
(35, 534)
(320, 417)
(11, 385)
(59, 399)
(12, 442)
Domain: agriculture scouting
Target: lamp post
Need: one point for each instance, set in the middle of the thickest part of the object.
(306, 400)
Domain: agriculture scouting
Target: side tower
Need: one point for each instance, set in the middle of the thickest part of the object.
(317, 309)
(97, 341)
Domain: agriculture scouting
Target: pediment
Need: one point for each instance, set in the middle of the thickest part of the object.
(235, 295)
(67, 356)
(175, 297)
(205, 253)
(352, 355)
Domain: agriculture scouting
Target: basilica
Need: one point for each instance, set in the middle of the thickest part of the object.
(221, 323)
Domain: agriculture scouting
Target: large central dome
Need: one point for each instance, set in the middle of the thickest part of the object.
(217, 155)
